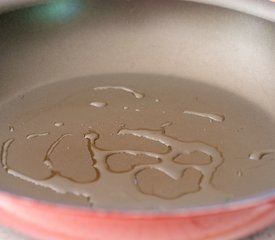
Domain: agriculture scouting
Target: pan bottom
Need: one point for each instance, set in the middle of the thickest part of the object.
(135, 141)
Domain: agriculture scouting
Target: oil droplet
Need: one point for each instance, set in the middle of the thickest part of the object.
(48, 164)
(11, 128)
(4, 153)
(58, 124)
(136, 94)
(35, 135)
(98, 104)
(122, 125)
(156, 100)
(210, 116)
(125, 107)
(137, 110)
(239, 173)
(166, 124)
(258, 155)
(47, 160)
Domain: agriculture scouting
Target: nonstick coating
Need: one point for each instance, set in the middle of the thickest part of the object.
(226, 49)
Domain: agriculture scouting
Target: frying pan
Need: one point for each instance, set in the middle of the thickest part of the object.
(232, 49)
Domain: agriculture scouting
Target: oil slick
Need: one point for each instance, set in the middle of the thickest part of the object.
(191, 178)
(97, 191)
(210, 116)
(4, 153)
(126, 89)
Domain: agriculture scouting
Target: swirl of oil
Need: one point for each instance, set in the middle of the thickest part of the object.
(121, 187)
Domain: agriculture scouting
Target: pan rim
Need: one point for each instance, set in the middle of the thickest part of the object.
(250, 201)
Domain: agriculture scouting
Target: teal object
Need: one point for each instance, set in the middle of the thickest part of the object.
(55, 11)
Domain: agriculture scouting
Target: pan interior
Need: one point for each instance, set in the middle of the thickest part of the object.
(176, 108)
(135, 141)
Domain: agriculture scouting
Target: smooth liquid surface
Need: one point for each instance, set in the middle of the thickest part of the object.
(140, 146)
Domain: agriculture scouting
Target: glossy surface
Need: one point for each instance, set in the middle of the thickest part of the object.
(162, 156)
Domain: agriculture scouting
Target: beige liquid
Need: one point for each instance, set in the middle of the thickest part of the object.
(192, 146)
